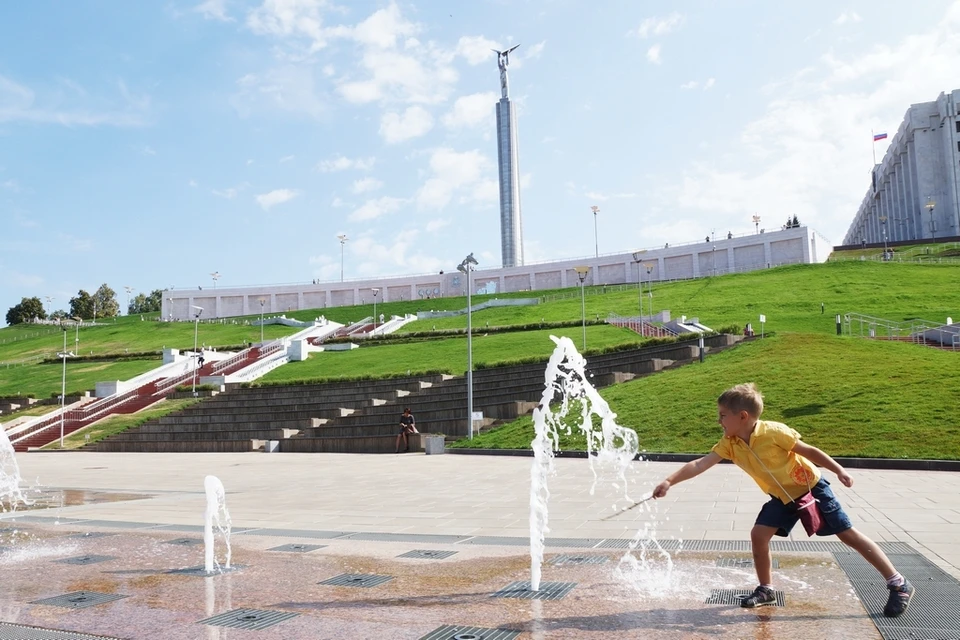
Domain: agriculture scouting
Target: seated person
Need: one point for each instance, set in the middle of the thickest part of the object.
(408, 425)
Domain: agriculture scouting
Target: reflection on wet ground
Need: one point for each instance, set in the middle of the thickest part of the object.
(53, 498)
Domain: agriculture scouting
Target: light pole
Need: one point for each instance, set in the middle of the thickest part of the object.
(931, 205)
(375, 292)
(216, 276)
(582, 272)
(129, 290)
(170, 310)
(756, 223)
(63, 383)
(637, 257)
(466, 267)
(261, 301)
(196, 327)
(649, 267)
(596, 244)
(883, 226)
(343, 240)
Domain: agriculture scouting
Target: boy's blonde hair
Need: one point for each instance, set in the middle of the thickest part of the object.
(743, 397)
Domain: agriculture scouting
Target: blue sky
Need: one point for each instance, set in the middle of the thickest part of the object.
(149, 144)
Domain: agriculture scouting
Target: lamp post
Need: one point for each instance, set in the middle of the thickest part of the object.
(170, 310)
(196, 327)
(582, 272)
(466, 267)
(883, 227)
(63, 383)
(261, 301)
(129, 290)
(931, 205)
(649, 267)
(596, 244)
(637, 257)
(375, 292)
(216, 276)
(756, 223)
(343, 240)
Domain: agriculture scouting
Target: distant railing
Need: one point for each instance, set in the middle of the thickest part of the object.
(914, 330)
(641, 326)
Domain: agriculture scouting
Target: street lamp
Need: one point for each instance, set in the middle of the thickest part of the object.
(216, 276)
(931, 205)
(375, 292)
(637, 257)
(756, 223)
(129, 290)
(196, 327)
(63, 384)
(883, 223)
(467, 267)
(343, 240)
(261, 301)
(649, 267)
(596, 245)
(582, 272)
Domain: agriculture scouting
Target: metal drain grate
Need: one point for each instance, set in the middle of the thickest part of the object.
(184, 542)
(743, 563)
(298, 548)
(91, 534)
(577, 558)
(201, 572)
(548, 591)
(933, 611)
(448, 632)
(505, 541)
(10, 631)
(668, 545)
(251, 619)
(357, 580)
(427, 554)
(85, 559)
(80, 599)
(406, 537)
(734, 596)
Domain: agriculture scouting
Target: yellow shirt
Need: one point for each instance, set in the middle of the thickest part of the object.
(772, 443)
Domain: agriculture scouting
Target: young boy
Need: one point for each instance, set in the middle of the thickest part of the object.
(785, 468)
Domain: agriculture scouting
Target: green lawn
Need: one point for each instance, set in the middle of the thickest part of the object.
(45, 379)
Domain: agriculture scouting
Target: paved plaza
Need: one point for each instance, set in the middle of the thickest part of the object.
(414, 546)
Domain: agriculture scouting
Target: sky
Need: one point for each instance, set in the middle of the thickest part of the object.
(152, 144)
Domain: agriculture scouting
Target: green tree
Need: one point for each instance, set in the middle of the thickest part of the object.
(28, 310)
(82, 305)
(106, 302)
(146, 303)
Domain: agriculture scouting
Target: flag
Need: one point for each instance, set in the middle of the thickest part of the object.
(879, 136)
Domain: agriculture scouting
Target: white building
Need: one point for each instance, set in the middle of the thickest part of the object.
(914, 190)
(674, 262)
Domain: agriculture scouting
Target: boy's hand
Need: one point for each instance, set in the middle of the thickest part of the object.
(845, 478)
(661, 489)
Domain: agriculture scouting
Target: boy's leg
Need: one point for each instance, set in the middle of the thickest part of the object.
(760, 537)
(870, 551)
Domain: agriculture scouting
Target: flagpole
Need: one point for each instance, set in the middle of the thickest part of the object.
(873, 136)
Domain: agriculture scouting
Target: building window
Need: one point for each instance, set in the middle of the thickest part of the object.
(957, 122)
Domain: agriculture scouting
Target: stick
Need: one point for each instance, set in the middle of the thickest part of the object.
(635, 504)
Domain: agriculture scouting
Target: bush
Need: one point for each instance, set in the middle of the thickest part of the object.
(186, 388)
(326, 379)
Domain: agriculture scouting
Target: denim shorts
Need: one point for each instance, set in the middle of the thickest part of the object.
(783, 516)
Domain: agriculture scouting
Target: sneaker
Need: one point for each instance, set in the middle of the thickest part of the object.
(899, 599)
(760, 597)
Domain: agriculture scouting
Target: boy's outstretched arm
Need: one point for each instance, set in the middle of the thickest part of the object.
(820, 458)
(687, 471)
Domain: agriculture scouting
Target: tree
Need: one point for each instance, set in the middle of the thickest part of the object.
(28, 310)
(796, 223)
(59, 314)
(106, 301)
(146, 303)
(82, 305)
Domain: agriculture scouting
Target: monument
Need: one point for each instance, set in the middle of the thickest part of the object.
(511, 229)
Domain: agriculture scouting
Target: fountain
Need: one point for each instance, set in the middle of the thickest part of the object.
(10, 494)
(567, 391)
(216, 512)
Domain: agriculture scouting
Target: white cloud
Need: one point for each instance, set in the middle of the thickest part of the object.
(10, 185)
(19, 103)
(296, 18)
(471, 110)
(275, 197)
(534, 51)
(341, 163)
(451, 171)
(403, 255)
(807, 154)
(373, 209)
(847, 16)
(19, 279)
(191, 183)
(383, 28)
(709, 83)
(437, 224)
(660, 26)
(364, 185)
(602, 197)
(214, 10)
(148, 151)
(413, 123)
(693, 84)
(285, 159)
(231, 193)
(337, 202)
(290, 88)
(653, 54)
(476, 49)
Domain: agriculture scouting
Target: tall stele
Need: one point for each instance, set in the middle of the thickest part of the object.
(511, 227)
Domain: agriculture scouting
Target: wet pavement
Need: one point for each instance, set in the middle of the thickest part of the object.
(355, 516)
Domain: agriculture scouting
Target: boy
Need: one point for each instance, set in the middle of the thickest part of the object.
(785, 468)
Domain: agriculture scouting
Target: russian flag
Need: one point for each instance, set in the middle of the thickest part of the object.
(879, 136)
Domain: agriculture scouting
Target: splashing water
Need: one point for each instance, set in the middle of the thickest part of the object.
(10, 493)
(610, 445)
(216, 512)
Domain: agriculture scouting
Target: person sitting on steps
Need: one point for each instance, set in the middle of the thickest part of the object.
(407, 426)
